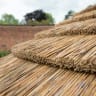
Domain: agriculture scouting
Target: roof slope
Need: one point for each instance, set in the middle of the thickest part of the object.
(86, 14)
(24, 78)
(87, 27)
(88, 9)
(76, 52)
(71, 47)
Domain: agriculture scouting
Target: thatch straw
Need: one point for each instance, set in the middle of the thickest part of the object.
(85, 16)
(81, 17)
(87, 27)
(88, 9)
(20, 77)
(23, 78)
(76, 52)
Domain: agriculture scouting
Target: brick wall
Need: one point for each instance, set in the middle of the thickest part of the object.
(11, 35)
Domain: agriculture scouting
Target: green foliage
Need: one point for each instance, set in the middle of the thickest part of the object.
(43, 22)
(69, 14)
(4, 53)
(8, 19)
(48, 21)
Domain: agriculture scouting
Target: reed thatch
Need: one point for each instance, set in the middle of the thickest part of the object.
(87, 27)
(76, 52)
(80, 17)
(85, 16)
(23, 78)
(72, 52)
(89, 8)
(67, 47)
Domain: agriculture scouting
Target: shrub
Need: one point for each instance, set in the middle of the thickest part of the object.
(4, 53)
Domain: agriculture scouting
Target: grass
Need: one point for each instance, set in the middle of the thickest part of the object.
(4, 53)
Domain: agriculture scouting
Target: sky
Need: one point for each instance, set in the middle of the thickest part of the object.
(58, 8)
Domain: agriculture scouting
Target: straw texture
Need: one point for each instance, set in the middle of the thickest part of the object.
(23, 78)
(88, 9)
(44, 66)
(80, 17)
(77, 52)
(87, 27)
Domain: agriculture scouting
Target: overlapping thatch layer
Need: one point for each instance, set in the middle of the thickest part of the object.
(89, 8)
(77, 52)
(85, 16)
(80, 17)
(71, 47)
(23, 78)
(87, 27)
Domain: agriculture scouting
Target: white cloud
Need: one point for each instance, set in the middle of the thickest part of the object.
(58, 8)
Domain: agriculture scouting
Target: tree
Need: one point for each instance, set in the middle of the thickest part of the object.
(39, 17)
(22, 22)
(50, 18)
(8, 19)
(69, 14)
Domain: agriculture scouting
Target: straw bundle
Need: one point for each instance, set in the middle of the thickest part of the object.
(87, 27)
(85, 16)
(77, 52)
(89, 8)
(71, 46)
(80, 17)
(23, 78)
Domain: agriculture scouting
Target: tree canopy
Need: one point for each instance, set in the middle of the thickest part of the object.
(8, 19)
(39, 17)
(69, 14)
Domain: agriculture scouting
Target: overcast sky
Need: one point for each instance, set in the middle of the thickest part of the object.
(58, 8)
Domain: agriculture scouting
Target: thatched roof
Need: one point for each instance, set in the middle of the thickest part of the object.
(77, 52)
(58, 62)
(23, 78)
(88, 9)
(86, 14)
(87, 27)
